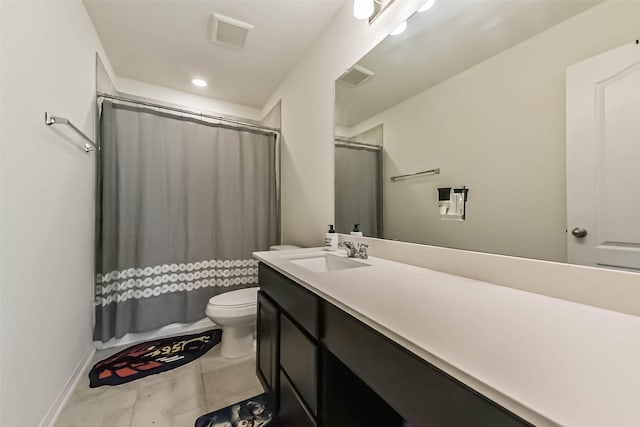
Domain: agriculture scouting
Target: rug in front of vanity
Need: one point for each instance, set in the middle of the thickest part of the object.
(254, 412)
(152, 357)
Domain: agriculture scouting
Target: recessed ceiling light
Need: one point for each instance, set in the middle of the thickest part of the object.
(399, 29)
(199, 82)
(427, 5)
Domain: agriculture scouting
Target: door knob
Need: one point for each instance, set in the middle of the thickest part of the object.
(579, 232)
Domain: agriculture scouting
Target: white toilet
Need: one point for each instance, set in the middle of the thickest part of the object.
(235, 312)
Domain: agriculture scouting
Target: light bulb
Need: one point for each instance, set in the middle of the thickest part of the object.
(199, 82)
(362, 9)
(427, 5)
(399, 29)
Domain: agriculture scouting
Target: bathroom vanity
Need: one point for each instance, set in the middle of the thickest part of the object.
(378, 343)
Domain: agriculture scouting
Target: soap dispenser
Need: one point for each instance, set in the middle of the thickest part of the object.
(356, 230)
(331, 239)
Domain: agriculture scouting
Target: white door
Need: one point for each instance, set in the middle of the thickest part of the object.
(603, 160)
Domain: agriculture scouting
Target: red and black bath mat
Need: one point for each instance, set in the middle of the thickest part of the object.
(152, 357)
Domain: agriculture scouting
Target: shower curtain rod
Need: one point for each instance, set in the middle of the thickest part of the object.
(342, 142)
(180, 110)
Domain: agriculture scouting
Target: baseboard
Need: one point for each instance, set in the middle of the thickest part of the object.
(54, 412)
(166, 331)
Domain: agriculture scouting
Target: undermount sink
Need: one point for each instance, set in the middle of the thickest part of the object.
(322, 263)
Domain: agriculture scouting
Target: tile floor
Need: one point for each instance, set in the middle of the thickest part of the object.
(171, 399)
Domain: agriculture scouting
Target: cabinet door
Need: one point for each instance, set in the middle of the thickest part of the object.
(293, 413)
(298, 359)
(268, 344)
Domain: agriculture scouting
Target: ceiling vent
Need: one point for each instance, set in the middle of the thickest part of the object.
(229, 31)
(355, 76)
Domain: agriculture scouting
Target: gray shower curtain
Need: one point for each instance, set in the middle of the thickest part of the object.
(358, 196)
(182, 204)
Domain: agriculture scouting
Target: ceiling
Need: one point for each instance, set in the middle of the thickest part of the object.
(442, 42)
(167, 42)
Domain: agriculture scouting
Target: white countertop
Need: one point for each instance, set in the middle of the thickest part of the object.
(551, 361)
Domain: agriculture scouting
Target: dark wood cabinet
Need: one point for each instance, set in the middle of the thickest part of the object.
(326, 368)
(300, 304)
(293, 412)
(287, 350)
(299, 360)
(348, 402)
(268, 347)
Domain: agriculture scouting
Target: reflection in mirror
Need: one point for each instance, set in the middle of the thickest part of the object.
(506, 98)
(358, 180)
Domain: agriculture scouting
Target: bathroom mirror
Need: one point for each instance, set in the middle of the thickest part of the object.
(478, 90)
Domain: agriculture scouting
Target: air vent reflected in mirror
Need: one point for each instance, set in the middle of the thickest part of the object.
(355, 76)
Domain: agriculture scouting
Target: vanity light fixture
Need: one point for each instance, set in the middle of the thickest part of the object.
(399, 29)
(370, 9)
(199, 82)
(427, 5)
(363, 9)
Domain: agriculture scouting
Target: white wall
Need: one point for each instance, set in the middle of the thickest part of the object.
(273, 118)
(307, 96)
(48, 64)
(1, 220)
(499, 129)
(180, 98)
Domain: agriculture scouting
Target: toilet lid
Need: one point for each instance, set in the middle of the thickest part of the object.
(283, 247)
(240, 298)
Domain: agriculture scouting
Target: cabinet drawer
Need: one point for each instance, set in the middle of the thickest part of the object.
(299, 359)
(417, 390)
(299, 303)
(292, 411)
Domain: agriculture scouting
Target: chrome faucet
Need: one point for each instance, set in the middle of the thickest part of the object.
(362, 251)
(353, 252)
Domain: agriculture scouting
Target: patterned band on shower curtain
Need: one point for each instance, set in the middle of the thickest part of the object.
(182, 204)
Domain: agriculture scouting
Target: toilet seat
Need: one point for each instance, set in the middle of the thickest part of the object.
(283, 247)
(242, 298)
